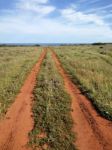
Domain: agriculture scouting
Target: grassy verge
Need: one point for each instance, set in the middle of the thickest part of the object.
(90, 68)
(51, 109)
(15, 64)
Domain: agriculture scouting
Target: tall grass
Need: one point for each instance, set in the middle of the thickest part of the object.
(90, 67)
(51, 109)
(15, 64)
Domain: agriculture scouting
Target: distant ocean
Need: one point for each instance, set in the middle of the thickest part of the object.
(47, 44)
(41, 44)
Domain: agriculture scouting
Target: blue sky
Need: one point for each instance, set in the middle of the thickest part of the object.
(41, 21)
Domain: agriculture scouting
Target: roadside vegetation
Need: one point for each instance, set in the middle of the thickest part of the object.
(51, 111)
(15, 64)
(90, 67)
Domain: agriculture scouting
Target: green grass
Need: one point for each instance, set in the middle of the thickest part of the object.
(15, 64)
(52, 111)
(90, 67)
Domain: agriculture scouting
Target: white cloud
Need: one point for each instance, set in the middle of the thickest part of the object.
(20, 2)
(78, 17)
(35, 6)
(47, 30)
(100, 9)
(88, 2)
(47, 26)
(29, 19)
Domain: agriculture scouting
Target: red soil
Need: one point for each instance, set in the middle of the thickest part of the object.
(18, 122)
(92, 131)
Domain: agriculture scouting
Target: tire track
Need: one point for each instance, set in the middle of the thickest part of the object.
(18, 122)
(93, 131)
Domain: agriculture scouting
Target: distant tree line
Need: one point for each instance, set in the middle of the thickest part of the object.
(17, 45)
(99, 43)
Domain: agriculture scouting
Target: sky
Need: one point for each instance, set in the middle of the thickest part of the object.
(55, 21)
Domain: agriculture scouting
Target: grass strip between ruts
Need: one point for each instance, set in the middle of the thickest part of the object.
(51, 110)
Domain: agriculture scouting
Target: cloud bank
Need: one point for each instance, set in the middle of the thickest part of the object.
(33, 20)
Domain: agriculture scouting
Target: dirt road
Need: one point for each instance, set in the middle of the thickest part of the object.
(92, 131)
(16, 125)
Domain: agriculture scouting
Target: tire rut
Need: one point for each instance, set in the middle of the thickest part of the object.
(18, 122)
(93, 131)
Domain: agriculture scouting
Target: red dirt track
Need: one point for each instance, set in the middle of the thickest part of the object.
(18, 122)
(92, 131)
